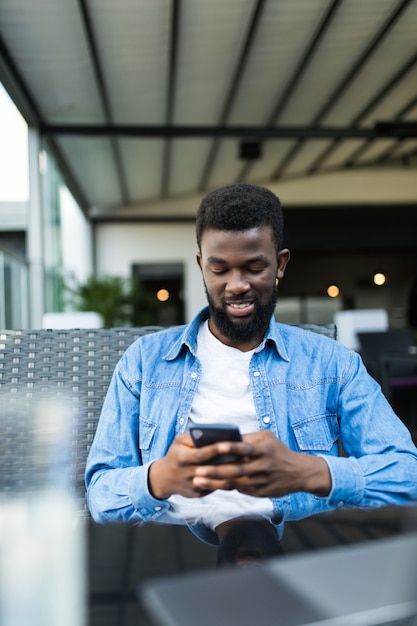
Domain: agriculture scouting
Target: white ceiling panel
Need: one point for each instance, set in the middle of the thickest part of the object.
(354, 23)
(374, 150)
(406, 147)
(273, 152)
(281, 38)
(49, 47)
(133, 40)
(143, 159)
(188, 157)
(306, 157)
(342, 153)
(91, 161)
(210, 41)
(391, 106)
(411, 114)
(228, 166)
(393, 52)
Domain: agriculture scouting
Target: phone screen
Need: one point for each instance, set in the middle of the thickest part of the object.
(206, 434)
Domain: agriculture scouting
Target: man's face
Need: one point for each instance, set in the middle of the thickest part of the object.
(239, 271)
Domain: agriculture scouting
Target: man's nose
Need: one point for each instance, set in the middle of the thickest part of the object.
(237, 282)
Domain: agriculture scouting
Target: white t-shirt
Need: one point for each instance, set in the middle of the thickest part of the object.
(223, 395)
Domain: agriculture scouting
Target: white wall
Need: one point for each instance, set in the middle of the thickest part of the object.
(13, 216)
(76, 239)
(14, 172)
(118, 246)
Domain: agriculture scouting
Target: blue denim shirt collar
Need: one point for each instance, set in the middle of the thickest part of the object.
(189, 337)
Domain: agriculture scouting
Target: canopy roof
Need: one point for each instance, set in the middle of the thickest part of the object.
(147, 100)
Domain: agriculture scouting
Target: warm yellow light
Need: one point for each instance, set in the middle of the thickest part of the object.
(379, 278)
(162, 295)
(333, 291)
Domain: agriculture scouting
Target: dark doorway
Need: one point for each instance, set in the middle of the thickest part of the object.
(159, 288)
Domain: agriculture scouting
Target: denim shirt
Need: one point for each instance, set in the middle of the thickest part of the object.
(314, 394)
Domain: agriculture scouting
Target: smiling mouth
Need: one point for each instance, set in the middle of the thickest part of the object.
(240, 309)
(239, 305)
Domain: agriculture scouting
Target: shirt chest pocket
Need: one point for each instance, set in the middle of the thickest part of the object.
(146, 433)
(318, 433)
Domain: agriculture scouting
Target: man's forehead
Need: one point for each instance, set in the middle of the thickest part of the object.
(257, 233)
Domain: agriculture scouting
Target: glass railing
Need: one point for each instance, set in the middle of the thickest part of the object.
(14, 291)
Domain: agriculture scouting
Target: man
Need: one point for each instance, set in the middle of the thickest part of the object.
(296, 396)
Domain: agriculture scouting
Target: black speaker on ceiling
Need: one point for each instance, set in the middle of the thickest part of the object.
(249, 150)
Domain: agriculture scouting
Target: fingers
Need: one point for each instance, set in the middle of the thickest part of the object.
(192, 472)
(208, 454)
(227, 476)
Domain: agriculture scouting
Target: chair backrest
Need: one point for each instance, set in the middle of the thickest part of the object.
(75, 364)
(372, 345)
(351, 322)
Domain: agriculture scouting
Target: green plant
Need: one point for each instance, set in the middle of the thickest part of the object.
(121, 302)
(107, 295)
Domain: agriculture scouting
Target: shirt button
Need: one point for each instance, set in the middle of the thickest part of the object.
(256, 374)
(157, 508)
(193, 375)
(181, 420)
(266, 420)
(340, 504)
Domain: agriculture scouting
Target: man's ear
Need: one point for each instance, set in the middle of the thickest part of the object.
(283, 258)
(199, 261)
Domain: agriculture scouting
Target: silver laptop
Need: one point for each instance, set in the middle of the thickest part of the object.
(368, 584)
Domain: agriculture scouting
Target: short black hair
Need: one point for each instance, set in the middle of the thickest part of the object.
(240, 206)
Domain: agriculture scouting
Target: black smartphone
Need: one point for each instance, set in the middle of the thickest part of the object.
(205, 434)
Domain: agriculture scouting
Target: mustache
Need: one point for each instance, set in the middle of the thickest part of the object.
(238, 300)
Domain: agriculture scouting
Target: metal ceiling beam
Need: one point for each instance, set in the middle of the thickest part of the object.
(92, 45)
(346, 80)
(172, 88)
(234, 85)
(387, 128)
(390, 152)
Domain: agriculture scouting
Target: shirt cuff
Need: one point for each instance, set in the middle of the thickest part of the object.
(148, 507)
(348, 482)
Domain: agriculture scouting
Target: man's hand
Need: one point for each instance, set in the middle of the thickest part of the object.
(175, 472)
(267, 469)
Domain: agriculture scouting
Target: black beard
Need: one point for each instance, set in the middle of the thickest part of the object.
(246, 329)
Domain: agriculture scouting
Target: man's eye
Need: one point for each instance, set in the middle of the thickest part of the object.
(256, 270)
(218, 270)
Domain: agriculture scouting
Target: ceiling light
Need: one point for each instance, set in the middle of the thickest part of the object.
(333, 291)
(379, 278)
(162, 295)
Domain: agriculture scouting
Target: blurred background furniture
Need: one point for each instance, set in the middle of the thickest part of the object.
(351, 322)
(391, 358)
(374, 344)
(72, 319)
